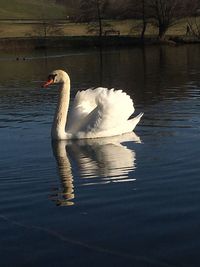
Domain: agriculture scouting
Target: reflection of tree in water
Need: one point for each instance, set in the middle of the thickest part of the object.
(161, 72)
(98, 161)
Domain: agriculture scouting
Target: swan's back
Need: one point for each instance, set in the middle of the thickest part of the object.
(100, 112)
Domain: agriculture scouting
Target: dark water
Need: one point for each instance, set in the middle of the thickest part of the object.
(126, 201)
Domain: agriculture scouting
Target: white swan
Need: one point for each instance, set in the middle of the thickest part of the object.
(95, 113)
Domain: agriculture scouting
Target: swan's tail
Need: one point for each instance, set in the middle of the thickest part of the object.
(136, 120)
(139, 116)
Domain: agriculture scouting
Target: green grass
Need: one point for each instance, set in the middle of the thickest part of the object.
(10, 29)
(33, 9)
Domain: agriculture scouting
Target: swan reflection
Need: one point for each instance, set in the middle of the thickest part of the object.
(96, 161)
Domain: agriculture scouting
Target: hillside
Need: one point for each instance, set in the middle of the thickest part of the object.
(32, 9)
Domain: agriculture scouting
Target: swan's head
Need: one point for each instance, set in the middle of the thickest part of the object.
(57, 77)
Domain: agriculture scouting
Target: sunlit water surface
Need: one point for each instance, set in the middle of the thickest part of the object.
(132, 200)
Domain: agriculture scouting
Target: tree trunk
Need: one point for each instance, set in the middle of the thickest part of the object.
(143, 30)
(99, 19)
(162, 32)
(144, 26)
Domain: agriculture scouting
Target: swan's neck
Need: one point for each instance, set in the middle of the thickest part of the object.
(60, 117)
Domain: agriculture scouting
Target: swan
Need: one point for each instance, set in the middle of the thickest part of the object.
(95, 113)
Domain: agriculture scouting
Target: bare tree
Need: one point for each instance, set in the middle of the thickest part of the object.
(93, 11)
(161, 13)
(47, 28)
(142, 10)
(144, 19)
(139, 10)
(99, 16)
(165, 14)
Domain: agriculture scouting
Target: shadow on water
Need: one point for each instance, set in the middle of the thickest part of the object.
(99, 162)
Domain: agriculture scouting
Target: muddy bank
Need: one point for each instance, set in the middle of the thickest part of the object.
(84, 41)
(70, 42)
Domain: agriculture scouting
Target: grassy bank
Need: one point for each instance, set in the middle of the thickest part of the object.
(30, 17)
(35, 28)
(68, 42)
(28, 34)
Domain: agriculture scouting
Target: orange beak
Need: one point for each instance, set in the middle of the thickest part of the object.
(46, 84)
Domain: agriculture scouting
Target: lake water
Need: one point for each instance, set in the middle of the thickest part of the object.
(132, 200)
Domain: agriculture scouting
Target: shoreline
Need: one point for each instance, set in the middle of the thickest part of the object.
(27, 43)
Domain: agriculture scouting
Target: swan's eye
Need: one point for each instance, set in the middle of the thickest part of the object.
(52, 77)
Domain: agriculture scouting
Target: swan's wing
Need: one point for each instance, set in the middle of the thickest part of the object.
(84, 104)
(114, 109)
(110, 116)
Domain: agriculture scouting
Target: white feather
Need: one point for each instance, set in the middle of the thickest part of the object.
(101, 112)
